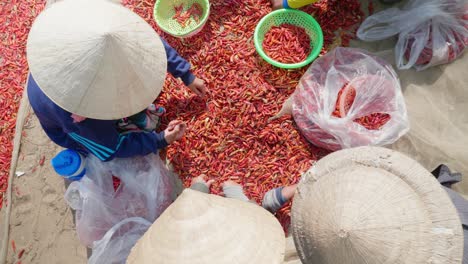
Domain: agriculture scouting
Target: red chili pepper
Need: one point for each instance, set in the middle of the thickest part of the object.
(20, 254)
(454, 45)
(19, 15)
(41, 161)
(287, 43)
(373, 121)
(370, 7)
(245, 92)
(183, 17)
(116, 182)
(13, 246)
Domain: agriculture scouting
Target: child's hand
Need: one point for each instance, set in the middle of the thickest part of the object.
(174, 131)
(198, 87)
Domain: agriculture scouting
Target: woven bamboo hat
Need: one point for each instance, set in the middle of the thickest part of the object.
(374, 205)
(200, 228)
(96, 58)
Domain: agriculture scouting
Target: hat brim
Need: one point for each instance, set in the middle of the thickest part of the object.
(374, 205)
(96, 59)
(200, 228)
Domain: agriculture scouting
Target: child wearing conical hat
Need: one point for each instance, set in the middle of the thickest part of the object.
(93, 64)
(375, 205)
(200, 228)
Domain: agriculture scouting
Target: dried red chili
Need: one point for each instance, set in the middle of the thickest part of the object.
(228, 135)
(196, 11)
(115, 182)
(370, 7)
(13, 246)
(20, 254)
(287, 43)
(183, 17)
(450, 40)
(41, 161)
(448, 48)
(16, 18)
(344, 102)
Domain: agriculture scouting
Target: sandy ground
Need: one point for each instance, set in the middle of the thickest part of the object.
(42, 224)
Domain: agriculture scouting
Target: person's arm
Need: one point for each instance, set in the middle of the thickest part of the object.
(56, 134)
(101, 138)
(46, 112)
(140, 143)
(98, 137)
(178, 66)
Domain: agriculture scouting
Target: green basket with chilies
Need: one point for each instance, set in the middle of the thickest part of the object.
(296, 18)
(164, 12)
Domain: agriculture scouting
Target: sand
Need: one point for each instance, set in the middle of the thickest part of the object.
(41, 222)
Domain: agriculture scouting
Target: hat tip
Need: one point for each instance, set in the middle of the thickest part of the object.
(342, 233)
(190, 204)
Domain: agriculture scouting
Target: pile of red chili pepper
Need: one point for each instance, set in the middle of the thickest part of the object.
(287, 43)
(16, 18)
(373, 121)
(229, 136)
(183, 17)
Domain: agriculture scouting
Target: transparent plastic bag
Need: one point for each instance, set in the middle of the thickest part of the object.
(117, 243)
(376, 90)
(145, 191)
(430, 32)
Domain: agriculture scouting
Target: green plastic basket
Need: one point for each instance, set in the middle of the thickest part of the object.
(293, 17)
(164, 11)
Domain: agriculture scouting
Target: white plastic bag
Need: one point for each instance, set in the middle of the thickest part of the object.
(430, 32)
(116, 244)
(145, 191)
(377, 90)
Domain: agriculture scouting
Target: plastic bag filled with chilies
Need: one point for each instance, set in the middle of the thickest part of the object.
(145, 191)
(343, 94)
(116, 244)
(430, 32)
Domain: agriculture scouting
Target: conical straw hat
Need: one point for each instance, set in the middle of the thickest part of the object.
(96, 58)
(374, 205)
(200, 228)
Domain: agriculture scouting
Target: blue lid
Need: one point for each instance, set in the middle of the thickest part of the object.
(66, 162)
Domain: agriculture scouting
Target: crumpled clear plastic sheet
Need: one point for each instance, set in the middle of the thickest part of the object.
(145, 191)
(117, 243)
